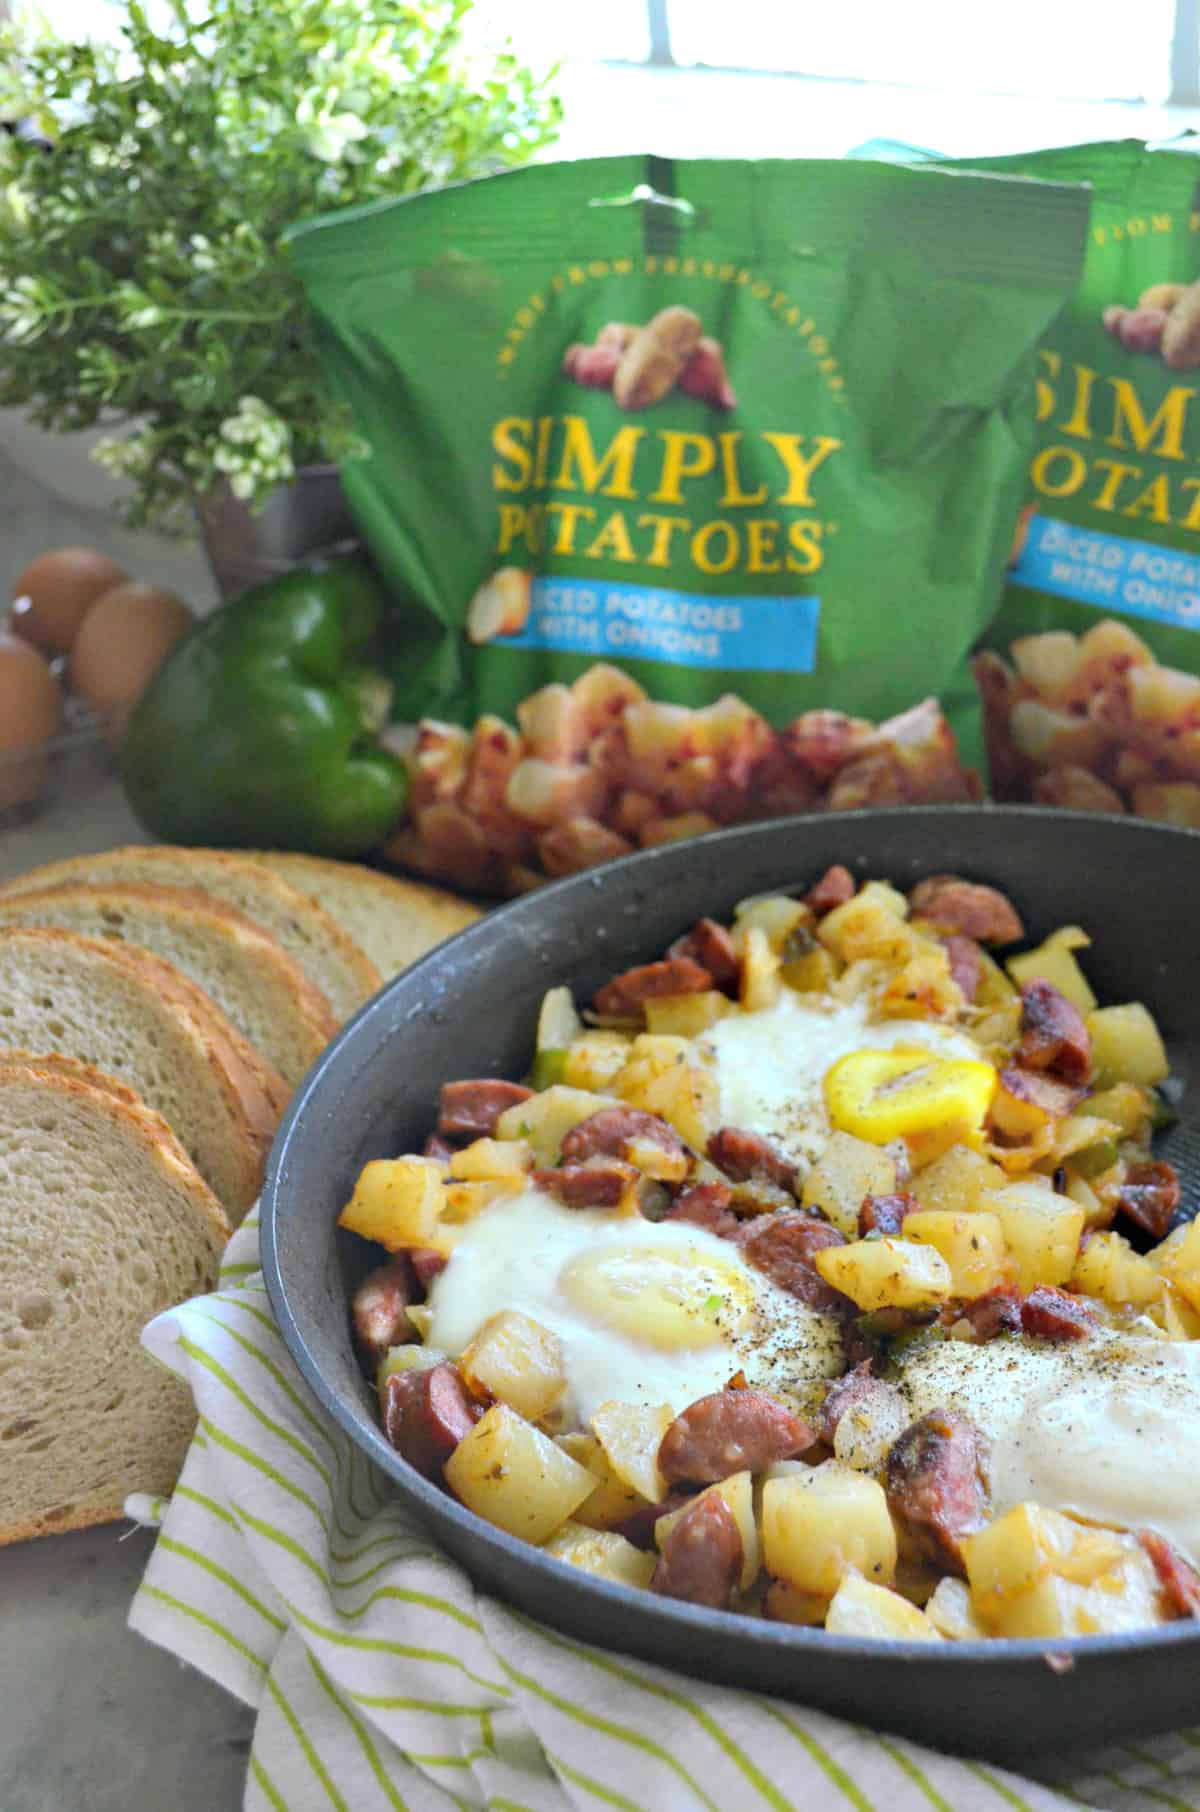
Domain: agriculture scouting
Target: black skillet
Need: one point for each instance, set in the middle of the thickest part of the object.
(470, 1009)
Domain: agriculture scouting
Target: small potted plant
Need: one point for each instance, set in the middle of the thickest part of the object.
(143, 282)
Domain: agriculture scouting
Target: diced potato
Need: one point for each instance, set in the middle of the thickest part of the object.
(774, 914)
(995, 989)
(612, 1500)
(949, 1611)
(397, 1201)
(630, 1435)
(786, 1603)
(818, 1524)
(408, 1358)
(1170, 801)
(517, 1360)
(886, 1273)
(1054, 962)
(511, 1474)
(1013, 1552)
(859, 1608)
(604, 1552)
(1178, 1260)
(592, 1061)
(870, 925)
(1056, 739)
(559, 1025)
(1124, 1597)
(1035, 1572)
(971, 1244)
(1108, 1267)
(1176, 1316)
(812, 972)
(1126, 1046)
(738, 1492)
(868, 1428)
(1048, 662)
(930, 1102)
(687, 1015)
(1125, 1105)
(546, 1119)
(463, 1201)
(923, 988)
(1088, 1139)
(687, 1097)
(1041, 1230)
(847, 1170)
(958, 1182)
(760, 983)
(1095, 1212)
(421, 1315)
(487, 1159)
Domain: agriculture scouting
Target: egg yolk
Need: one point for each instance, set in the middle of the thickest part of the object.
(662, 1295)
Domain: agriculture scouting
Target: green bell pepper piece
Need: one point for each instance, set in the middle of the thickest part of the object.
(259, 728)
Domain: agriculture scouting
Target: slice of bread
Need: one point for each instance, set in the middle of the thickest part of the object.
(255, 983)
(138, 1019)
(328, 955)
(395, 921)
(103, 1224)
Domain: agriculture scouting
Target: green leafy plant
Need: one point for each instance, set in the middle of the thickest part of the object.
(142, 276)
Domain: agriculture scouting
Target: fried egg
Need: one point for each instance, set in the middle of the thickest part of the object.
(646, 1312)
(1108, 1427)
(771, 1065)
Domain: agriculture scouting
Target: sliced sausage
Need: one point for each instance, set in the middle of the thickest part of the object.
(982, 913)
(701, 1559)
(884, 1213)
(1040, 1090)
(1048, 1313)
(379, 1309)
(1053, 1035)
(622, 997)
(996, 1312)
(470, 1110)
(640, 1525)
(782, 1245)
(708, 1205)
(966, 964)
(730, 1431)
(600, 1185)
(426, 1415)
(1178, 1579)
(836, 886)
(846, 1392)
(710, 945)
(427, 1264)
(1150, 1195)
(935, 1485)
(747, 1158)
(610, 1132)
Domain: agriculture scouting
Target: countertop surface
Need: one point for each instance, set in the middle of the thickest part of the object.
(93, 1718)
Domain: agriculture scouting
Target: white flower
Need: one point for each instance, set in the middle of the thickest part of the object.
(128, 458)
(150, 316)
(21, 316)
(203, 258)
(328, 134)
(253, 449)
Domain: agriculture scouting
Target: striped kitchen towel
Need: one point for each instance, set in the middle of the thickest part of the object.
(385, 1682)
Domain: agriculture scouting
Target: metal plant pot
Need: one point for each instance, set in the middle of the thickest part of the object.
(302, 519)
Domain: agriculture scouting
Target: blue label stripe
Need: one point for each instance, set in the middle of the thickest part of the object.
(1111, 572)
(643, 622)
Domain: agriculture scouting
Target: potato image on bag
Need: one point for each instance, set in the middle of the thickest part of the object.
(501, 605)
(642, 365)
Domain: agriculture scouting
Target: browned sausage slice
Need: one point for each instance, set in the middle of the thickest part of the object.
(747, 1158)
(782, 1246)
(701, 1559)
(610, 1133)
(1052, 1314)
(848, 1392)
(935, 1485)
(729, 1431)
(884, 1213)
(708, 1205)
(639, 1526)
(953, 904)
(427, 1264)
(622, 997)
(997, 1311)
(710, 945)
(966, 964)
(379, 1309)
(470, 1110)
(835, 887)
(1150, 1195)
(1177, 1577)
(426, 1415)
(588, 1185)
(1053, 1035)
(1040, 1090)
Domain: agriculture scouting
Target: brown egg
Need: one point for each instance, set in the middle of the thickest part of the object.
(31, 712)
(56, 591)
(123, 641)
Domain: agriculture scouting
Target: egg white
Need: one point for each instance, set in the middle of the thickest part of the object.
(771, 1065)
(528, 1253)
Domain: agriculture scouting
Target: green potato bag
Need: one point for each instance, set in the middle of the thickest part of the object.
(757, 429)
(1109, 539)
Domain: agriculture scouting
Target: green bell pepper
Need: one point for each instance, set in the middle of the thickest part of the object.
(259, 728)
